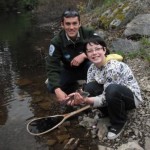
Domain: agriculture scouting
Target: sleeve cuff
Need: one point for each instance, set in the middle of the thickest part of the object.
(99, 101)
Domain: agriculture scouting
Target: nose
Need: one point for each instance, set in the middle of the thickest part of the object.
(71, 26)
(94, 51)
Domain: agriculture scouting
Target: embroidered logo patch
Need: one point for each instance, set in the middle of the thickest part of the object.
(67, 56)
(95, 34)
(51, 49)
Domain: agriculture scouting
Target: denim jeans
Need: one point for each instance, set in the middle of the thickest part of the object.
(119, 99)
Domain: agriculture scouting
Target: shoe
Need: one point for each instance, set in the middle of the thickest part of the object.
(115, 131)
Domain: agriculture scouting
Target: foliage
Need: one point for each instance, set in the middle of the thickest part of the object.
(145, 50)
(143, 53)
(17, 5)
(110, 2)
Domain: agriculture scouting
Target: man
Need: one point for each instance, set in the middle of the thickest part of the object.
(66, 62)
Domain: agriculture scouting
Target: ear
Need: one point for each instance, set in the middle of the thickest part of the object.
(79, 24)
(105, 50)
(62, 24)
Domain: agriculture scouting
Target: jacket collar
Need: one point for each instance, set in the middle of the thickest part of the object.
(67, 41)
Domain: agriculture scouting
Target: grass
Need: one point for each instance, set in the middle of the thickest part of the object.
(143, 53)
(145, 50)
(108, 3)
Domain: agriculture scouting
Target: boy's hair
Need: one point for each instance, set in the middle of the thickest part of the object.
(70, 13)
(96, 40)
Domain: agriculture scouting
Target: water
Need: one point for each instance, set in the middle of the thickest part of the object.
(23, 94)
(44, 124)
(20, 62)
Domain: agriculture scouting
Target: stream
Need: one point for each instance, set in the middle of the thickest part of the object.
(23, 93)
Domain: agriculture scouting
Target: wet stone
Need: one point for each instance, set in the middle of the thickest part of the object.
(72, 144)
(63, 137)
(51, 142)
(37, 99)
(45, 105)
(23, 82)
(37, 93)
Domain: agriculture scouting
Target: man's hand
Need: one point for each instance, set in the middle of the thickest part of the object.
(61, 95)
(78, 59)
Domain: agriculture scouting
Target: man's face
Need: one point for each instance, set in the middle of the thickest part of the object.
(71, 26)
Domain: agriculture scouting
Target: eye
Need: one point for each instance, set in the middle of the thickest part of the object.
(98, 48)
(68, 23)
(89, 51)
(74, 23)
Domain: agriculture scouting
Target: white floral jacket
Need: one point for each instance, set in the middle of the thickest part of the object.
(114, 72)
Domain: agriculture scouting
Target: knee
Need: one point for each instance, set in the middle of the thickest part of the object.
(111, 91)
(93, 88)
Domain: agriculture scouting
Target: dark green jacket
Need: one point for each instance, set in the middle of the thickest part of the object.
(62, 51)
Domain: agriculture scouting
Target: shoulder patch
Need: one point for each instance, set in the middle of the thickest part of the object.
(95, 34)
(51, 49)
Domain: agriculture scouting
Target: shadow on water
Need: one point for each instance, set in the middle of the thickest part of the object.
(23, 94)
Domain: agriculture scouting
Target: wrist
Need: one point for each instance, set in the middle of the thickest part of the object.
(88, 100)
(84, 56)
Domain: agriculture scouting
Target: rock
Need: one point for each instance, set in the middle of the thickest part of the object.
(45, 105)
(147, 143)
(37, 93)
(125, 45)
(102, 128)
(100, 147)
(130, 146)
(72, 144)
(117, 16)
(87, 122)
(139, 26)
(148, 122)
(63, 137)
(23, 82)
(101, 33)
(51, 142)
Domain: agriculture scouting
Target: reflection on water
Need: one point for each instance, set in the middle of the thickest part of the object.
(15, 55)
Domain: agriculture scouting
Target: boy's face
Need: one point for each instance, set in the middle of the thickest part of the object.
(96, 53)
(71, 26)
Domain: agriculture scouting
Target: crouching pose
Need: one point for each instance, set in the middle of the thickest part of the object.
(111, 84)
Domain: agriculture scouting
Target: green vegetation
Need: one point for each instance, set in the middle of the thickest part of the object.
(145, 50)
(108, 3)
(116, 11)
(17, 5)
(143, 53)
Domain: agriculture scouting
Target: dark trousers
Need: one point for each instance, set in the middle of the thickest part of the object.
(69, 77)
(119, 99)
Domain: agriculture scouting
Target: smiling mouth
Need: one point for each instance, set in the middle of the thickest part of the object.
(71, 32)
(95, 57)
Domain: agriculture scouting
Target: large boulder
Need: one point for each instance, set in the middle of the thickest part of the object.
(138, 27)
(125, 45)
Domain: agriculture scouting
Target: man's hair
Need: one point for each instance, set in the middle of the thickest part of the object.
(70, 13)
(96, 40)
